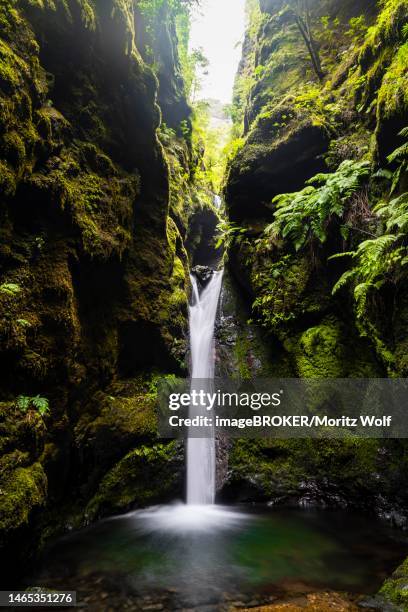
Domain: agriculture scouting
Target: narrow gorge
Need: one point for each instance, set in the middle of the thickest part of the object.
(151, 232)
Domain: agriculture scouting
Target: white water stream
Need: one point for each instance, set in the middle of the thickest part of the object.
(200, 514)
(201, 451)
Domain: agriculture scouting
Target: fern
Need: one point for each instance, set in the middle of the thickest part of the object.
(377, 260)
(23, 322)
(304, 215)
(382, 259)
(344, 280)
(399, 154)
(41, 404)
(25, 402)
(383, 174)
(400, 157)
(10, 288)
(226, 234)
(344, 254)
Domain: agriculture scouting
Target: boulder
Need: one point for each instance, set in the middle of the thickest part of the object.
(203, 274)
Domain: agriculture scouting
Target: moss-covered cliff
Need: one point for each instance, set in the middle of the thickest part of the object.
(296, 126)
(96, 192)
(326, 139)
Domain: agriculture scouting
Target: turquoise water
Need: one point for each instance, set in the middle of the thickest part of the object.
(235, 554)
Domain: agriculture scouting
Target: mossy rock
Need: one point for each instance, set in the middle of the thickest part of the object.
(320, 473)
(332, 350)
(147, 475)
(22, 491)
(88, 241)
(286, 290)
(322, 351)
(271, 159)
(392, 107)
(395, 589)
(114, 421)
(243, 349)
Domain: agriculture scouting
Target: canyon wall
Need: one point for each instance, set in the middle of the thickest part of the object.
(337, 127)
(96, 192)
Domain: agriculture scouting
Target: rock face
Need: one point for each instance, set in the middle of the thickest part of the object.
(266, 165)
(293, 127)
(93, 268)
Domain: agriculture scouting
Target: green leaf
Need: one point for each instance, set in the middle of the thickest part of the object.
(10, 288)
(340, 255)
(41, 404)
(343, 280)
(23, 403)
(23, 322)
(383, 174)
(305, 214)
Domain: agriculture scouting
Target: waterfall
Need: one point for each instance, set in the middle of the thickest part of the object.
(201, 451)
(217, 201)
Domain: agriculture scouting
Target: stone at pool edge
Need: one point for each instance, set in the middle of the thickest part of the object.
(312, 602)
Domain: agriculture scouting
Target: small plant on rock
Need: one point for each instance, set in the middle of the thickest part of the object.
(26, 403)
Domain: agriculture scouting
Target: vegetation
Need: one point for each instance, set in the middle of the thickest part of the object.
(248, 73)
(108, 165)
(382, 259)
(355, 212)
(78, 146)
(306, 215)
(10, 288)
(301, 12)
(213, 140)
(25, 403)
(227, 234)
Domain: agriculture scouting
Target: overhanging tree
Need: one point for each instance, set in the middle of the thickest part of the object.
(300, 12)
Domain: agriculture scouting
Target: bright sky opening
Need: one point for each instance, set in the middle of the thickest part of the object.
(218, 27)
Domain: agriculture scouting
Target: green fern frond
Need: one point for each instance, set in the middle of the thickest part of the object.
(376, 246)
(381, 259)
(304, 215)
(340, 255)
(360, 295)
(41, 404)
(383, 174)
(399, 154)
(344, 280)
(10, 288)
(23, 403)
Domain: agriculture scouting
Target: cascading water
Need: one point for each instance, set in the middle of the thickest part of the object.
(202, 321)
(201, 451)
(200, 514)
(217, 201)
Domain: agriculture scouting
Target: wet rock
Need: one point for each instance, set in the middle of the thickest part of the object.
(378, 603)
(321, 495)
(222, 445)
(203, 274)
(391, 512)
